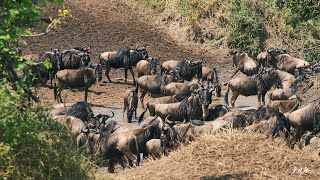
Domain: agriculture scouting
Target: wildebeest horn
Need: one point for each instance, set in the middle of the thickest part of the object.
(112, 115)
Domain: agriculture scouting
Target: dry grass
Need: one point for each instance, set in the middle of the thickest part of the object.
(228, 155)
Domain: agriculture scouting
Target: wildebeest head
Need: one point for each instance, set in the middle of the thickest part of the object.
(142, 51)
(85, 59)
(272, 54)
(154, 61)
(197, 64)
(281, 124)
(174, 77)
(205, 95)
(235, 54)
(269, 77)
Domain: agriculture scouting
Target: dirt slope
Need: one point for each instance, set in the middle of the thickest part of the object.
(111, 26)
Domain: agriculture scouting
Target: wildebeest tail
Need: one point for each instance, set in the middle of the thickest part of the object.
(142, 114)
(226, 96)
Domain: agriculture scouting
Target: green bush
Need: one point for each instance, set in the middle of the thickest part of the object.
(246, 29)
(33, 146)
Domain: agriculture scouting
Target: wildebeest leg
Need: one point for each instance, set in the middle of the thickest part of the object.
(124, 107)
(263, 96)
(234, 98)
(111, 165)
(59, 95)
(108, 68)
(125, 75)
(134, 80)
(131, 158)
(143, 93)
(259, 98)
(86, 94)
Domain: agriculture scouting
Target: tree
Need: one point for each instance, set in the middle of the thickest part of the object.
(32, 145)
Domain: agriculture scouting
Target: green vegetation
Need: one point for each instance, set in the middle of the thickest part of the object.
(253, 25)
(32, 145)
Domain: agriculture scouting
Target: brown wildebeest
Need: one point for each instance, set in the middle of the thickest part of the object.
(243, 63)
(285, 62)
(130, 102)
(148, 67)
(158, 147)
(243, 118)
(182, 88)
(211, 76)
(283, 106)
(185, 69)
(154, 84)
(114, 146)
(52, 56)
(273, 126)
(258, 84)
(216, 111)
(163, 100)
(124, 58)
(289, 86)
(73, 59)
(305, 119)
(193, 107)
(70, 78)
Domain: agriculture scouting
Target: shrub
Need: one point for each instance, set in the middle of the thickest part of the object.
(246, 29)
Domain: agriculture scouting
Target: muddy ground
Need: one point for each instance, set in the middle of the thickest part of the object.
(111, 26)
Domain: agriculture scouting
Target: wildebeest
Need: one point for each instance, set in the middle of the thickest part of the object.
(285, 93)
(71, 78)
(180, 88)
(289, 86)
(285, 62)
(272, 126)
(305, 119)
(148, 67)
(163, 100)
(129, 144)
(185, 69)
(168, 66)
(124, 58)
(185, 132)
(283, 106)
(258, 84)
(243, 63)
(39, 73)
(216, 111)
(114, 146)
(243, 118)
(158, 147)
(130, 103)
(193, 107)
(211, 76)
(52, 57)
(154, 84)
(73, 59)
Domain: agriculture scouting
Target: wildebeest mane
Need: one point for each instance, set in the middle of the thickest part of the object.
(81, 110)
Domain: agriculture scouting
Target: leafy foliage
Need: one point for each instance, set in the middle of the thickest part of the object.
(32, 145)
(246, 30)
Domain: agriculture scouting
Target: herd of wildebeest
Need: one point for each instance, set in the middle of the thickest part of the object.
(180, 105)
